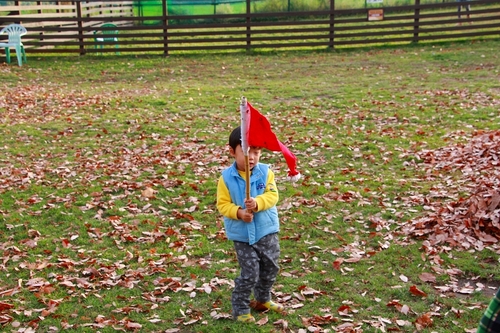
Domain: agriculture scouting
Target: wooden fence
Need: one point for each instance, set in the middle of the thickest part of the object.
(69, 27)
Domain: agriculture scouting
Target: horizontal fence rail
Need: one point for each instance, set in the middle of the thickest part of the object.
(75, 26)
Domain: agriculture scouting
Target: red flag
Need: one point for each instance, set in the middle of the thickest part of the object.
(259, 134)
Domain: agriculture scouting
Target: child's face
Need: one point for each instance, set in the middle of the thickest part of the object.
(253, 156)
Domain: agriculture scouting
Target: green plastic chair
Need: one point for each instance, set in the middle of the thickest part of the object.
(101, 37)
(14, 31)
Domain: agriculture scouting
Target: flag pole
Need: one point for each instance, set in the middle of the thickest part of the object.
(244, 142)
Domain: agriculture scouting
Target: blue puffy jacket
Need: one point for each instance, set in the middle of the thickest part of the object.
(264, 222)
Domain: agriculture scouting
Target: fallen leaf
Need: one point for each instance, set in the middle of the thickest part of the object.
(337, 263)
(417, 292)
(148, 193)
(427, 277)
(423, 321)
(262, 321)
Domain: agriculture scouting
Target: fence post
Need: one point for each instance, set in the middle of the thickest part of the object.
(249, 44)
(165, 27)
(15, 12)
(140, 11)
(80, 26)
(332, 24)
(416, 25)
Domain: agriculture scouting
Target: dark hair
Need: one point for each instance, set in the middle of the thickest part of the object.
(235, 138)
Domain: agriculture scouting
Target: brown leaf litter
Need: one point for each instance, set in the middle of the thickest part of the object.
(469, 173)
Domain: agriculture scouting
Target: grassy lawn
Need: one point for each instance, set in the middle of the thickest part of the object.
(108, 171)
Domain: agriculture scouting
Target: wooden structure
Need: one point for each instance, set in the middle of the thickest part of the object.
(69, 26)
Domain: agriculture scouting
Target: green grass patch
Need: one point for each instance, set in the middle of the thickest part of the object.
(108, 177)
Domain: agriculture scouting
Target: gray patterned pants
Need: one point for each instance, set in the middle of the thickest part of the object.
(259, 268)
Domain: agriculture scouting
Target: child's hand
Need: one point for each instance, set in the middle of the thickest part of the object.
(245, 215)
(251, 204)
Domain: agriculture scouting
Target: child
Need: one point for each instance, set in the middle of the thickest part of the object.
(466, 5)
(490, 321)
(253, 226)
